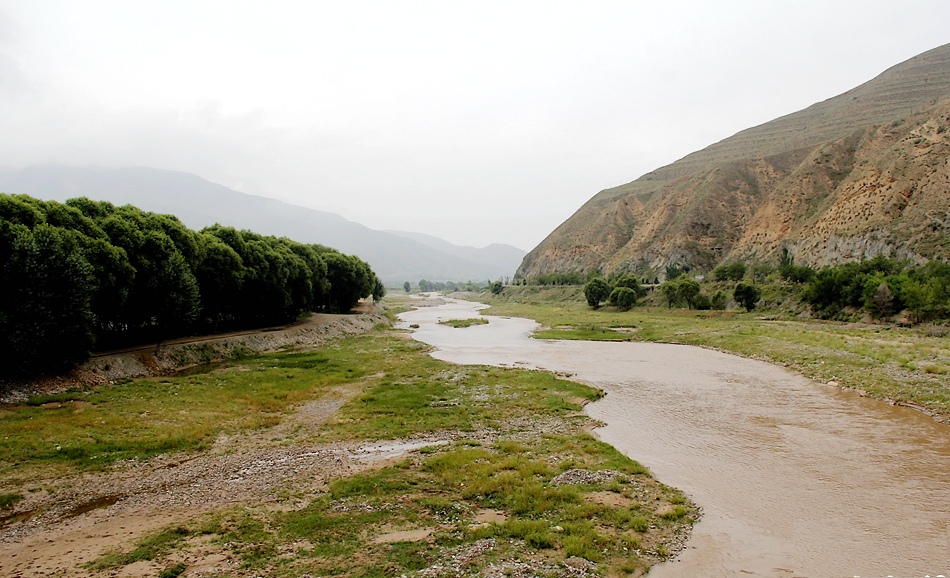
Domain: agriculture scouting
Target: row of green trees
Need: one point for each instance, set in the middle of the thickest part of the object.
(566, 278)
(426, 286)
(623, 291)
(882, 287)
(84, 274)
(879, 287)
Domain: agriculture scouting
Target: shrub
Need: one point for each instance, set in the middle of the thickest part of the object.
(687, 290)
(729, 272)
(623, 298)
(173, 571)
(596, 291)
(718, 301)
(630, 282)
(747, 295)
(702, 302)
(797, 273)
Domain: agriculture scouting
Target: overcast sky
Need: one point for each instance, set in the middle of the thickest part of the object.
(477, 122)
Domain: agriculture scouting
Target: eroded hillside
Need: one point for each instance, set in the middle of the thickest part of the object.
(864, 173)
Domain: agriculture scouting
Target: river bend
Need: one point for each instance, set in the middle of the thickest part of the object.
(795, 478)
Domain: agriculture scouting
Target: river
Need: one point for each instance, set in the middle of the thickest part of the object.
(795, 478)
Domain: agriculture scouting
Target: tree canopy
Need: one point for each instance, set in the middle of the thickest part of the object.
(747, 295)
(597, 290)
(85, 274)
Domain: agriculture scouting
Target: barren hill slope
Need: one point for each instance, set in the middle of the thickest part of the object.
(861, 174)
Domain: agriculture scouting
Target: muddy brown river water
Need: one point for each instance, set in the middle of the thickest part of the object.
(795, 478)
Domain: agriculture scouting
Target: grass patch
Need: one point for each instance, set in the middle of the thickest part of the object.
(7, 501)
(343, 530)
(462, 323)
(584, 332)
(173, 571)
(147, 549)
(146, 417)
(420, 395)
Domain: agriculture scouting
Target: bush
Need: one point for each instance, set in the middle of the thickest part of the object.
(596, 291)
(702, 302)
(797, 273)
(173, 571)
(718, 301)
(623, 298)
(687, 290)
(729, 272)
(630, 282)
(747, 295)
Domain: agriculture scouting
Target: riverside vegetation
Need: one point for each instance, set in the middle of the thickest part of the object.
(84, 275)
(507, 480)
(908, 365)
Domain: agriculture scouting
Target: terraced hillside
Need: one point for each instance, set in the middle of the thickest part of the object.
(864, 173)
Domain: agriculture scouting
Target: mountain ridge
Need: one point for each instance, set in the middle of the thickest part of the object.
(198, 203)
(800, 181)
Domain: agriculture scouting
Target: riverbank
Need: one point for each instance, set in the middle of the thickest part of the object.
(906, 366)
(794, 477)
(180, 354)
(364, 456)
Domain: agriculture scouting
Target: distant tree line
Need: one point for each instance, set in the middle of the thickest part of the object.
(84, 274)
(566, 278)
(426, 286)
(623, 291)
(878, 287)
(882, 287)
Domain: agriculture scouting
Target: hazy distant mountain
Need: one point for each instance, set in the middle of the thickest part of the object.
(861, 174)
(199, 203)
(495, 254)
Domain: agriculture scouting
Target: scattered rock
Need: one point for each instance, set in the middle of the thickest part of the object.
(579, 477)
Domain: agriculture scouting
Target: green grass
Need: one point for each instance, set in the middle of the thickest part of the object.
(7, 501)
(420, 395)
(586, 333)
(442, 491)
(147, 417)
(173, 571)
(907, 365)
(148, 549)
(462, 323)
(412, 394)
(441, 488)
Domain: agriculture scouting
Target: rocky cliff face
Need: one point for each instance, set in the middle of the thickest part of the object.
(862, 174)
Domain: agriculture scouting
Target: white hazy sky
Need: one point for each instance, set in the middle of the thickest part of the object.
(477, 122)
